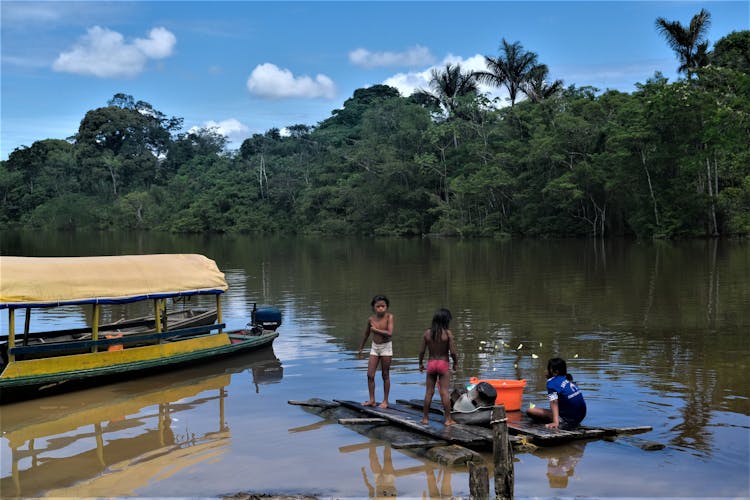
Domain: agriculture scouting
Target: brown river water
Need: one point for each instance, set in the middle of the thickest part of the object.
(655, 334)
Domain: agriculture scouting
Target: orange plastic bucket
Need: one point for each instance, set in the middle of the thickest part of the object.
(509, 392)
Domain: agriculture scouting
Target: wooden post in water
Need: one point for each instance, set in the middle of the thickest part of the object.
(502, 454)
(479, 481)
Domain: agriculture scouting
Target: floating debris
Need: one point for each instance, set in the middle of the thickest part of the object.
(519, 347)
(575, 356)
(534, 356)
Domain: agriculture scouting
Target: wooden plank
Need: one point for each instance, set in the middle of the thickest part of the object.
(427, 443)
(314, 402)
(614, 431)
(369, 420)
(411, 420)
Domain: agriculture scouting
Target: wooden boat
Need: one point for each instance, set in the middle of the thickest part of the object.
(175, 319)
(42, 283)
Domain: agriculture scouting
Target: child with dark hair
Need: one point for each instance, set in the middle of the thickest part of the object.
(567, 406)
(439, 341)
(380, 325)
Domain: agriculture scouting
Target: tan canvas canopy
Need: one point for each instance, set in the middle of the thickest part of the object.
(37, 281)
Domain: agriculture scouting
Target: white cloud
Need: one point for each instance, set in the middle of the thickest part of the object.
(158, 45)
(415, 56)
(105, 53)
(407, 83)
(270, 81)
(231, 128)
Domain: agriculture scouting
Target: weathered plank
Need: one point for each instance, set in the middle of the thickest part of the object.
(452, 455)
(371, 420)
(316, 402)
(613, 431)
(424, 443)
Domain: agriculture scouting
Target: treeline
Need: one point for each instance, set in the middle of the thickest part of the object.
(668, 160)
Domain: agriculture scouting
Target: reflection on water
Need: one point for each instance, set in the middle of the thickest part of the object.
(655, 333)
(561, 462)
(81, 444)
(380, 479)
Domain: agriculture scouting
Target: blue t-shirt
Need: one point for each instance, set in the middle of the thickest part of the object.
(569, 398)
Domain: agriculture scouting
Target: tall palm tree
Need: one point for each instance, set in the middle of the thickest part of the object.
(447, 86)
(688, 42)
(537, 87)
(510, 69)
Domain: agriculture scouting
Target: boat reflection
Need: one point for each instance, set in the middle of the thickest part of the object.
(82, 444)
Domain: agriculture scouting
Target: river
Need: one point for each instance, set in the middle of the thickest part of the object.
(655, 333)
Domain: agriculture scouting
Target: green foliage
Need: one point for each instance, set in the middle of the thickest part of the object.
(669, 160)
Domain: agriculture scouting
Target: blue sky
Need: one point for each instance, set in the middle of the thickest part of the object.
(246, 67)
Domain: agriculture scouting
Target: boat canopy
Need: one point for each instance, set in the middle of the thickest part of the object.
(53, 281)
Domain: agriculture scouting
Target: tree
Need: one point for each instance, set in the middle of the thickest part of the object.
(733, 51)
(448, 86)
(537, 86)
(689, 43)
(512, 68)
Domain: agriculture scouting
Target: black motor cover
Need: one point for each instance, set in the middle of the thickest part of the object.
(266, 317)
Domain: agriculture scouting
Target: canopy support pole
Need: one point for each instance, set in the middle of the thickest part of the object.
(157, 318)
(26, 326)
(218, 310)
(11, 333)
(95, 327)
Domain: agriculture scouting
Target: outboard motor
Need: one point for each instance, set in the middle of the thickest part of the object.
(265, 318)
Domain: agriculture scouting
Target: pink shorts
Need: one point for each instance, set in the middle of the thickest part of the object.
(438, 367)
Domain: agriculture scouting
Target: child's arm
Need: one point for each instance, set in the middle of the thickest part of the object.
(388, 332)
(422, 350)
(555, 415)
(452, 350)
(364, 338)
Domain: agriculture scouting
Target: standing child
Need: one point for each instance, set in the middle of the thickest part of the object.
(567, 406)
(439, 341)
(380, 324)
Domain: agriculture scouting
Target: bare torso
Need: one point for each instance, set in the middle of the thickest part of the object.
(380, 323)
(440, 347)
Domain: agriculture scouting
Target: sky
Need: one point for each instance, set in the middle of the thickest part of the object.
(244, 67)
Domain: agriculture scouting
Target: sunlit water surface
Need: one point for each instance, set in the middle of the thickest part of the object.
(654, 334)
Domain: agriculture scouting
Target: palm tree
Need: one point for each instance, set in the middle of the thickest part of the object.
(448, 86)
(537, 87)
(510, 69)
(688, 42)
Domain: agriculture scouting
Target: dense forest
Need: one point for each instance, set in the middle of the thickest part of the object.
(669, 160)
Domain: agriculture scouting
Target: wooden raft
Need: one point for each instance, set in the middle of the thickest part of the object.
(406, 416)
(407, 431)
(521, 425)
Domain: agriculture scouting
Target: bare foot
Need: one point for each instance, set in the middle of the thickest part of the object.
(384, 404)
(450, 422)
(369, 403)
(425, 422)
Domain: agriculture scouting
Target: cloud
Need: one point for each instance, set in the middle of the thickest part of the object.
(105, 53)
(230, 128)
(407, 83)
(269, 81)
(415, 56)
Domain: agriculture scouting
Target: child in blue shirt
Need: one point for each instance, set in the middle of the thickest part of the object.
(567, 406)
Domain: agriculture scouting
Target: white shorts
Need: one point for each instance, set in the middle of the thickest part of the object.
(385, 349)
